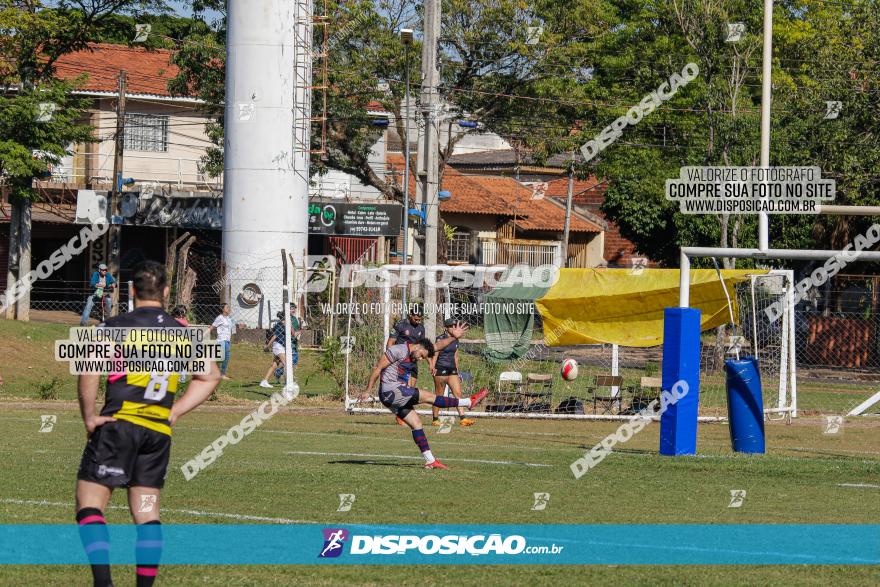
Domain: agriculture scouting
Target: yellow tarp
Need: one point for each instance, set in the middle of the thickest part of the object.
(626, 307)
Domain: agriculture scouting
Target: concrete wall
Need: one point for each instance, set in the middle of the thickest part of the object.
(187, 142)
(338, 184)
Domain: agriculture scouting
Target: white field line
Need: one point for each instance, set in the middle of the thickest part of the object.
(408, 457)
(198, 513)
(860, 485)
(405, 441)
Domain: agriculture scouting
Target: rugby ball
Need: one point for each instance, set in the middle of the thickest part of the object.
(569, 370)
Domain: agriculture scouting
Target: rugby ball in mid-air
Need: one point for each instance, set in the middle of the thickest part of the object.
(569, 369)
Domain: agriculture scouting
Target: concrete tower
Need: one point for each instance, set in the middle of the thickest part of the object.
(266, 168)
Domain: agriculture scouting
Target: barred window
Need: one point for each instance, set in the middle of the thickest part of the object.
(460, 246)
(146, 132)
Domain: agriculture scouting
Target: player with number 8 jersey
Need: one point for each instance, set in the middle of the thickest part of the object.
(144, 398)
(129, 442)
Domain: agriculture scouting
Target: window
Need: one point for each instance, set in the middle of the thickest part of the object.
(460, 246)
(146, 132)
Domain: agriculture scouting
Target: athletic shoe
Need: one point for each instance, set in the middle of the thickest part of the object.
(225, 378)
(478, 397)
(466, 422)
(265, 384)
(435, 464)
(436, 422)
(401, 421)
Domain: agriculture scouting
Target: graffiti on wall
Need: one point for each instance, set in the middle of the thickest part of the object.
(163, 210)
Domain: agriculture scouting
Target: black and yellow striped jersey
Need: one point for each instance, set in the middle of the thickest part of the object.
(144, 399)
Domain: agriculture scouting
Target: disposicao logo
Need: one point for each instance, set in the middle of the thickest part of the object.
(334, 540)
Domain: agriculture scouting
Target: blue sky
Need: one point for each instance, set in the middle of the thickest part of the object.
(182, 8)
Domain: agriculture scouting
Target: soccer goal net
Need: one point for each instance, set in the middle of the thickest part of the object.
(522, 371)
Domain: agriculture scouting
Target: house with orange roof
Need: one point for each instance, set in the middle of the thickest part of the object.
(550, 178)
(165, 136)
(500, 220)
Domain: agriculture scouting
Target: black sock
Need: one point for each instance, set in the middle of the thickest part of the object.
(147, 552)
(96, 540)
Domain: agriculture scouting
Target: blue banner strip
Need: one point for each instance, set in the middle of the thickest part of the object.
(666, 544)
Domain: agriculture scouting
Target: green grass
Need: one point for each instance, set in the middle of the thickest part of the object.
(28, 365)
(796, 482)
(30, 372)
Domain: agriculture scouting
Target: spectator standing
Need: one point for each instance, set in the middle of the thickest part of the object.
(224, 326)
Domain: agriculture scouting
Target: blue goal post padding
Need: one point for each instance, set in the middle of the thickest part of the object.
(681, 362)
(745, 405)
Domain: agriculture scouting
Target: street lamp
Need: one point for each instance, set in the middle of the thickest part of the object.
(406, 35)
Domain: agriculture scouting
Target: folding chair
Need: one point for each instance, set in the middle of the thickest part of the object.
(606, 400)
(537, 394)
(648, 391)
(506, 396)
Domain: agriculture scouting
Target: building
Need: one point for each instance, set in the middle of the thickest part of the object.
(499, 220)
(550, 178)
(495, 218)
(164, 141)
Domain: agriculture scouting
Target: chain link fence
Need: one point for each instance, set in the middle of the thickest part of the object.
(629, 374)
(836, 328)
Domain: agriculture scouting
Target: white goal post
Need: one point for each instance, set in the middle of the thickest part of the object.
(687, 253)
(372, 310)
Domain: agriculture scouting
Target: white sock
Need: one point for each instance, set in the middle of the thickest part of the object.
(429, 457)
(464, 402)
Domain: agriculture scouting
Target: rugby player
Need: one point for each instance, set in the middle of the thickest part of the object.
(409, 330)
(278, 343)
(400, 398)
(444, 368)
(129, 442)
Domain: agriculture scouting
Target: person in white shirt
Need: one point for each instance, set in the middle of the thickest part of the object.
(223, 325)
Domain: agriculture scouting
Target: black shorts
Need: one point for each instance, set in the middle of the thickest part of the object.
(446, 371)
(400, 400)
(122, 454)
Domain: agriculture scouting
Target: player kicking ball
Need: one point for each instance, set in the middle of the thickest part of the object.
(398, 397)
(130, 441)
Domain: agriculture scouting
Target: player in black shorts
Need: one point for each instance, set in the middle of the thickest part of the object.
(444, 368)
(130, 441)
(410, 330)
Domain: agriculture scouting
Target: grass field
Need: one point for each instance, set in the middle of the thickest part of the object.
(293, 467)
(26, 351)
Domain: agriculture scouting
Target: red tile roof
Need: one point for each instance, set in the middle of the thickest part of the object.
(499, 196)
(589, 195)
(558, 188)
(148, 72)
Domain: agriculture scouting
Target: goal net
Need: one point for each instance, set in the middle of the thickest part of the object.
(614, 382)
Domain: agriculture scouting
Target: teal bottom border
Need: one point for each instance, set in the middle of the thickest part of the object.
(599, 544)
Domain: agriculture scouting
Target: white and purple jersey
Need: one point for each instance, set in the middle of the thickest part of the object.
(395, 374)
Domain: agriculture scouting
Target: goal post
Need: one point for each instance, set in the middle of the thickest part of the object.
(687, 253)
(374, 302)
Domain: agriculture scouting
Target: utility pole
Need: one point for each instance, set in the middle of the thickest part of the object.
(406, 35)
(567, 213)
(115, 229)
(766, 91)
(431, 169)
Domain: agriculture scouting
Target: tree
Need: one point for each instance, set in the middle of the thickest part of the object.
(40, 114)
(821, 52)
(486, 57)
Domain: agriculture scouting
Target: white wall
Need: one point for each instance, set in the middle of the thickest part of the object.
(187, 142)
(338, 184)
